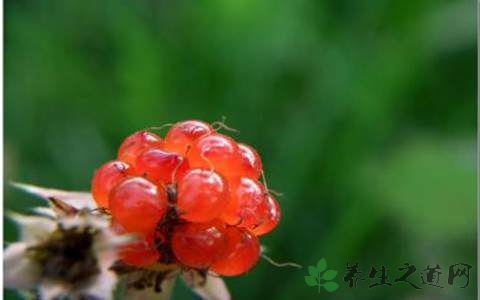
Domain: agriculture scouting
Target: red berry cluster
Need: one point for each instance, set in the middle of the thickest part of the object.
(194, 198)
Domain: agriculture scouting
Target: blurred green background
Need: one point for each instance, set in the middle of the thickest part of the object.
(364, 113)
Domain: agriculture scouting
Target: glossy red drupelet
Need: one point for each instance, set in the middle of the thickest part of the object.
(138, 204)
(182, 135)
(241, 253)
(201, 195)
(198, 245)
(160, 166)
(251, 163)
(247, 207)
(136, 143)
(140, 252)
(106, 178)
(217, 152)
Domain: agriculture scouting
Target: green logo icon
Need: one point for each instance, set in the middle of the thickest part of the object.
(317, 279)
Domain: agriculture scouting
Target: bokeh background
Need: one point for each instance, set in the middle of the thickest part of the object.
(364, 113)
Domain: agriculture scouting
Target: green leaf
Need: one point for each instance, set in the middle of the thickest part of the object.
(321, 265)
(330, 286)
(329, 275)
(444, 163)
(313, 271)
(311, 281)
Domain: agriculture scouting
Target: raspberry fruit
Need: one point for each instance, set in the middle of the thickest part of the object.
(271, 219)
(106, 178)
(201, 195)
(247, 206)
(135, 144)
(193, 199)
(183, 134)
(251, 162)
(198, 245)
(138, 205)
(161, 167)
(241, 253)
(216, 151)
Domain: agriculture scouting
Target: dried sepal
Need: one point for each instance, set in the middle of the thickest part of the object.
(75, 199)
(20, 271)
(208, 286)
(68, 255)
(155, 282)
(33, 229)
